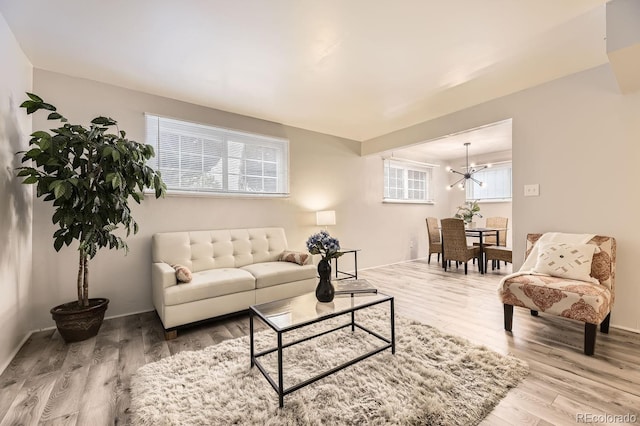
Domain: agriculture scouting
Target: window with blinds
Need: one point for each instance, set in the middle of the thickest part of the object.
(407, 181)
(497, 184)
(205, 159)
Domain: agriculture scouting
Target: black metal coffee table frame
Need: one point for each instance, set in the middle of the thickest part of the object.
(279, 387)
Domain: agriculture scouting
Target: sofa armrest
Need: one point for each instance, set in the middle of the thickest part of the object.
(163, 275)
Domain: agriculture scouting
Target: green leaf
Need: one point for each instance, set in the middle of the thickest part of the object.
(47, 106)
(30, 180)
(34, 97)
(54, 116)
(115, 154)
(41, 135)
(28, 104)
(59, 190)
(103, 121)
(32, 153)
(57, 243)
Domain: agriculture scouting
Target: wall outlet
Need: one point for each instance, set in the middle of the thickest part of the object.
(532, 190)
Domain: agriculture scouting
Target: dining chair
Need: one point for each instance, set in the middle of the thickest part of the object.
(498, 223)
(454, 243)
(495, 254)
(435, 244)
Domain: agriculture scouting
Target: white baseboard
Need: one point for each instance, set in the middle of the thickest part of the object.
(393, 263)
(620, 327)
(6, 363)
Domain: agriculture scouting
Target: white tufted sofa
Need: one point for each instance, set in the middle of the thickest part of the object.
(232, 269)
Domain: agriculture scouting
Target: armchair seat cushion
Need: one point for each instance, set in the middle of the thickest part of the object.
(579, 300)
(268, 274)
(210, 283)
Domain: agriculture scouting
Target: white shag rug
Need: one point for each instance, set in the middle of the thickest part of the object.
(433, 379)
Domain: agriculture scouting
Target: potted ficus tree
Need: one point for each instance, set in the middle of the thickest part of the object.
(89, 174)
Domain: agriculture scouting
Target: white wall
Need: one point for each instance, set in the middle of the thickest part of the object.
(326, 173)
(578, 138)
(15, 199)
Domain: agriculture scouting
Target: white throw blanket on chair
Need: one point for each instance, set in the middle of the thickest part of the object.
(548, 237)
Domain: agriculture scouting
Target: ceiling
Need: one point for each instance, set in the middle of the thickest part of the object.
(489, 139)
(357, 69)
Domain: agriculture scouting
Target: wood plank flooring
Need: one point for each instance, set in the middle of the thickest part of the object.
(88, 383)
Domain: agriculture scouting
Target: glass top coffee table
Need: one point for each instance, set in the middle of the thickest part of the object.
(286, 315)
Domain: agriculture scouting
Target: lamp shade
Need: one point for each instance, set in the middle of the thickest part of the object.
(326, 217)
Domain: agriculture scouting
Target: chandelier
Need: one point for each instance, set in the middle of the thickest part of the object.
(468, 173)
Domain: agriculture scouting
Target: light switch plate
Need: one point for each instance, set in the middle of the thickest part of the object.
(532, 190)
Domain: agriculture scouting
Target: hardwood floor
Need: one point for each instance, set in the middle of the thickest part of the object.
(87, 383)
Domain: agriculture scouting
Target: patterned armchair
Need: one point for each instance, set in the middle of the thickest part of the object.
(584, 301)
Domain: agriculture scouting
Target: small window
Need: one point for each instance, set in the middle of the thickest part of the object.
(496, 184)
(197, 158)
(406, 181)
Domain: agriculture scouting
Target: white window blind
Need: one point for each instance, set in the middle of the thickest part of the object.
(199, 158)
(407, 181)
(497, 184)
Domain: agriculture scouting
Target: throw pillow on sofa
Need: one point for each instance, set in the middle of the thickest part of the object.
(183, 274)
(294, 257)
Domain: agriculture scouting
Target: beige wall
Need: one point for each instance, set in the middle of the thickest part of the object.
(15, 199)
(326, 173)
(578, 138)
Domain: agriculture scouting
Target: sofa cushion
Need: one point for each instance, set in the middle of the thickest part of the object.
(211, 283)
(268, 274)
(579, 300)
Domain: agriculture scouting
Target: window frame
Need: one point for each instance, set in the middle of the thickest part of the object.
(408, 168)
(156, 126)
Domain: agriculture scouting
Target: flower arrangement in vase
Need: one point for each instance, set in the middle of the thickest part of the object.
(468, 212)
(329, 248)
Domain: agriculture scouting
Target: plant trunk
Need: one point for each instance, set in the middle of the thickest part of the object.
(85, 282)
(80, 275)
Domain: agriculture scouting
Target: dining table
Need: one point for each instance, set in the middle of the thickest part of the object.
(480, 233)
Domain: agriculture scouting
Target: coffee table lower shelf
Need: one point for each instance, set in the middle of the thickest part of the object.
(279, 386)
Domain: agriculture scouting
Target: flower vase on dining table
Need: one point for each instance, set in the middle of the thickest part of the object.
(325, 290)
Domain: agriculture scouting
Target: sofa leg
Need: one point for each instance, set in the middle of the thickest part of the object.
(589, 338)
(429, 259)
(170, 334)
(604, 325)
(534, 313)
(508, 317)
(465, 267)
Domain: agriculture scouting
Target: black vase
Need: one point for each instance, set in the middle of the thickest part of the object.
(325, 290)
